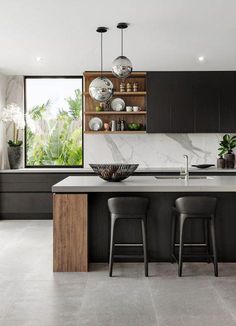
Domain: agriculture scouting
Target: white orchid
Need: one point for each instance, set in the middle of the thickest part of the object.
(13, 114)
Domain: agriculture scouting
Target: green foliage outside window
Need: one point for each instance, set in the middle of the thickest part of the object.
(56, 141)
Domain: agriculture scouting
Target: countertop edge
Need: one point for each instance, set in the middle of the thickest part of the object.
(140, 170)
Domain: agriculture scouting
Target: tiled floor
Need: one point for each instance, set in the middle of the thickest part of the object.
(30, 294)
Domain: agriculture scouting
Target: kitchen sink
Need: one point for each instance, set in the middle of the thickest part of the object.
(198, 177)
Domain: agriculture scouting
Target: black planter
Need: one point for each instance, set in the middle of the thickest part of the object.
(15, 155)
(229, 160)
(220, 163)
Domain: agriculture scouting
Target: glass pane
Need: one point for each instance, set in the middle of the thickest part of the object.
(54, 132)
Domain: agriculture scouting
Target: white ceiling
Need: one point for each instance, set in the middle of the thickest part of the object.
(163, 35)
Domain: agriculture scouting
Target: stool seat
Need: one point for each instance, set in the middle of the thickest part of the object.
(194, 207)
(128, 208)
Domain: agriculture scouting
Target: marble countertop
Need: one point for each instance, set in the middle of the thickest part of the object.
(140, 170)
(79, 184)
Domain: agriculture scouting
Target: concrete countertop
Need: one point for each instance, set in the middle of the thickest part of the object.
(139, 170)
(80, 184)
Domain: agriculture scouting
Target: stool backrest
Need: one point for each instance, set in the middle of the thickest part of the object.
(134, 206)
(199, 205)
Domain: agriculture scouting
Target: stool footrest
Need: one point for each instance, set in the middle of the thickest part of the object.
(193, 256)
(192, 245)
(128, 245)
(127, 256)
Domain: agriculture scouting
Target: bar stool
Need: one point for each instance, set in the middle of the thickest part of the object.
(128, 208)
(197, 207)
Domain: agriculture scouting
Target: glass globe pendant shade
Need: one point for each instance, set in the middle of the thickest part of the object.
(122, 67)
(101, 89)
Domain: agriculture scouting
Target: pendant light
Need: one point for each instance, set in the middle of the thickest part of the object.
(101, 88)
(122, 66)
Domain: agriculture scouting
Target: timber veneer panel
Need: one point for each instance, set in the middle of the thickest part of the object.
(70, 233)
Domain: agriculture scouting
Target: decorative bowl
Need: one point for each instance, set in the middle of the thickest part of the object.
(95, 124)
(134, 126)
(114, 172)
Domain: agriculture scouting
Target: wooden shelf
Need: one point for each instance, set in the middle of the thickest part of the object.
(114, 113)
(141, 93)
(138, 99)
(110, 74)
(103, 132)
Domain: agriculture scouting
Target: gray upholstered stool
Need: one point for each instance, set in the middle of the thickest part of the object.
(128, 208)
(197, 207)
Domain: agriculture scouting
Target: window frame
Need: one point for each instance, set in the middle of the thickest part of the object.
(82, 122)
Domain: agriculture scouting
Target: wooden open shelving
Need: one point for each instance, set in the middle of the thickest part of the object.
(131, 99)
(114, 113)
(123, 93)
(103, 132)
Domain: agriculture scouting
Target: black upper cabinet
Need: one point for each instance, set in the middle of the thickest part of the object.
(206, 101)
(228, 102)
(170, 104)
(182, 105)
(180, 102)
(159, 88)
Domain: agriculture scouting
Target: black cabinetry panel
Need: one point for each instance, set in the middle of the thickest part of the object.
(193, 102)
(182, 105)
(228, 102)
(159, 88)
(206, 101)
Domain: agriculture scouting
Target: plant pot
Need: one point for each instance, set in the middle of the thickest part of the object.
(229, 160)
(220, 163)
(15, 155)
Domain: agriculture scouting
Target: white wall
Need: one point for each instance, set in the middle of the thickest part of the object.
(3, 149)
(149, 150)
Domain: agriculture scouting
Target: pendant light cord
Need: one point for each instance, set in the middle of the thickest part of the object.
(122, 42)
(101, 55)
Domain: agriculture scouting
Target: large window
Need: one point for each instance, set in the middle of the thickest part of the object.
(54, 126)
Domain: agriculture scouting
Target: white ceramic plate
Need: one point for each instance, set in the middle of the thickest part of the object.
(118, 104)
(95, 124)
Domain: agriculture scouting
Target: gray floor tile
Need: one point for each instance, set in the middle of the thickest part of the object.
(32, 295)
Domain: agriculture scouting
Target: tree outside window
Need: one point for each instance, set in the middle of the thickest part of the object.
(54, 124)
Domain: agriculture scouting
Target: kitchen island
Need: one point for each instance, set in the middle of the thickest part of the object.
(81, 219)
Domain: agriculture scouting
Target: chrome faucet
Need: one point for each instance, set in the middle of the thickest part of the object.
(186, 172)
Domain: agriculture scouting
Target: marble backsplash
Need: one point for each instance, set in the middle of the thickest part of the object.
(149, 150)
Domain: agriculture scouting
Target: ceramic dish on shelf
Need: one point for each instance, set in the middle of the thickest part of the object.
(95, 124)
(118, 104)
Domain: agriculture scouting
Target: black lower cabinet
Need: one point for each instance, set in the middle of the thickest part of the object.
(28, 195)
(159, 227)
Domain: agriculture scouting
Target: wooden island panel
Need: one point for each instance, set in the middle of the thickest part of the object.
(70, 233)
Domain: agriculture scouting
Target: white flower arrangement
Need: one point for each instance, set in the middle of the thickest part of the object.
(13, 114)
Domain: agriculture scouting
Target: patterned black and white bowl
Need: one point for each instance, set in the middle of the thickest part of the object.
(114, 172)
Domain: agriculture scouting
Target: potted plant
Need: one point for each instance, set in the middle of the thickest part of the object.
(227, 145)
(220, 162)
(13, 116)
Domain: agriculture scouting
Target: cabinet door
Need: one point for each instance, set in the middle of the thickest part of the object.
(159, 86)
(182, 111)
(206, 101)
(228, 102)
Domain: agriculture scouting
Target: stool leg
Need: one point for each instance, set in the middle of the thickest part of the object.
(213, 239)
(113, 221)
(181, 228)
(207, 241)
(144, 235)
(173, 233)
